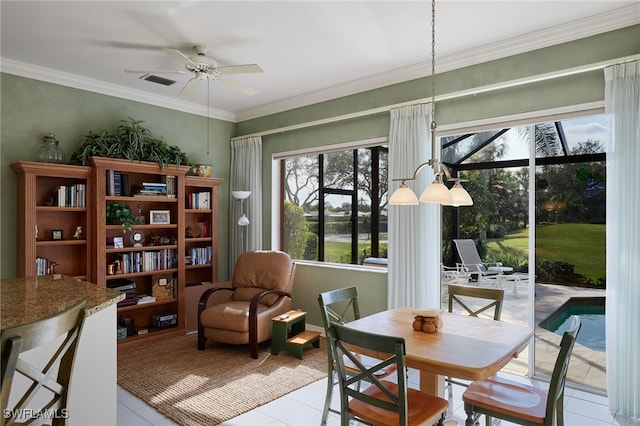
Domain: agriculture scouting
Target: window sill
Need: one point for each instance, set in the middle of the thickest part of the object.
(343, 266)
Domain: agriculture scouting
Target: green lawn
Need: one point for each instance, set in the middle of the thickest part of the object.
(580, 244)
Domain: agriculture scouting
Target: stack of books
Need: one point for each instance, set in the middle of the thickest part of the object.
(117, 183)
(144, 298)
(199, 200)
(69, 196)
(128, 287)
(151, 189)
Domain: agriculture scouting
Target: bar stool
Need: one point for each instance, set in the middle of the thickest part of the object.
(17, 340)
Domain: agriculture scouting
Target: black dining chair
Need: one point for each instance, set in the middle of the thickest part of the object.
(473, 301)
(520, 403)
(340, 306)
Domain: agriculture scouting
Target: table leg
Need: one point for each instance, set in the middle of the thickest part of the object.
(432, 384)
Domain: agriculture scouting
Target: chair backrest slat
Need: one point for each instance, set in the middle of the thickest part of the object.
(559, 375)
(344, 341)
(339, 306)
(22, 338)
(456, 292)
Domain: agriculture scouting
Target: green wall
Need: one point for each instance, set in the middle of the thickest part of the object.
(312, 280)
(31, 108)
(560, 92)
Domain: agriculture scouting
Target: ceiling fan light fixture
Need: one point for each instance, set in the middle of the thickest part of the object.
(203, 67)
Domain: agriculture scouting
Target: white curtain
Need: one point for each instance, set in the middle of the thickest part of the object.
(622, 104)
(414, 231)
(245, 175)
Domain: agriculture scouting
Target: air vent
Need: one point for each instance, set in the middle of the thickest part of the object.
(157, 79)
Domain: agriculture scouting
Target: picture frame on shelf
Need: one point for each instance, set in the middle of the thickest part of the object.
(159, 217)
(164, 287)
(57, 235)
(118, 242)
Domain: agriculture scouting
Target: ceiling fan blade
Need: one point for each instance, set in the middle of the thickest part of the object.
(190, 86)
(240, 69)
(179, 56)
(154, 72)
(238, 86)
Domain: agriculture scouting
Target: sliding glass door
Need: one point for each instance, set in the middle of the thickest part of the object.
(561, 219)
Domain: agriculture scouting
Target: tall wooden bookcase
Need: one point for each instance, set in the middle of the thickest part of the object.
(152, 262)
(201, 218)
(161, 265)
(53, 201)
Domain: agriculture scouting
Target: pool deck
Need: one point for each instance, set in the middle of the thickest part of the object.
(587, 367)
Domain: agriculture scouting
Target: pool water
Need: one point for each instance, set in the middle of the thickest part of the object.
(590, 310)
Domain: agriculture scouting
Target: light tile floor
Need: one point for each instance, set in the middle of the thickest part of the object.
(304, 407)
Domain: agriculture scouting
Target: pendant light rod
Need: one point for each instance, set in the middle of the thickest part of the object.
(437, 191)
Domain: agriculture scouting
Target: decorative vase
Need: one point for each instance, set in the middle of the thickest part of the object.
(202, 170)
(50, 152)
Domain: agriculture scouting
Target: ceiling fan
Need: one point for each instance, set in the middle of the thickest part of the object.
(205, 68)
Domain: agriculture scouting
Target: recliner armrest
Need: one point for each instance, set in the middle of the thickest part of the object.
(202, 303)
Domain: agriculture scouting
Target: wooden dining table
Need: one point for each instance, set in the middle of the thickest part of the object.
(465, 347)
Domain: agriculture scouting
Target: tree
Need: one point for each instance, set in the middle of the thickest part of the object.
(301, 177)
(295, 230)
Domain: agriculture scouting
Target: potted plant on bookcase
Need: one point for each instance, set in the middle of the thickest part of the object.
(122, 214)
(129, 141)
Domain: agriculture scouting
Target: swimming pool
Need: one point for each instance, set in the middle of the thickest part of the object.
(590, 310)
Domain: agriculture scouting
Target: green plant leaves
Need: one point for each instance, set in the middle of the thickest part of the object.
(129, 141)
(122, 213)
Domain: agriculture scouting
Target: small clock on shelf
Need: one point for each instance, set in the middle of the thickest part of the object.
(137, 238)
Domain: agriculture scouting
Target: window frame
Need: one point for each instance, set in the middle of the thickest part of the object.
(279, 196)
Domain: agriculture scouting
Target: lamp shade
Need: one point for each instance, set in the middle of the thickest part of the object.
(403, 196)
(240, 195)
(460, 196)
(437, 192)
(244, 220)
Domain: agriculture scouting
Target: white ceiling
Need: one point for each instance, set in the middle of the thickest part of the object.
(310, 51)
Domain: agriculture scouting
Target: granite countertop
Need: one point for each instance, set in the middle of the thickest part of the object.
(26, 300)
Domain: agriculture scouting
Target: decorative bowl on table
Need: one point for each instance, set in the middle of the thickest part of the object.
(427, 320)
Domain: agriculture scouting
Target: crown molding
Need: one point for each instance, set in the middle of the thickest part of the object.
(75, 81)
(586, 27)
(593, 25)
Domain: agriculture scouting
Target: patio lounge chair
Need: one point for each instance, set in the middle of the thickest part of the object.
(471, 263)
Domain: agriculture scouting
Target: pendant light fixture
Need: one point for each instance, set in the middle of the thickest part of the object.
(437, 191)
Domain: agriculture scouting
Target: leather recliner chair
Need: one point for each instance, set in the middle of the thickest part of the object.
(242, 309)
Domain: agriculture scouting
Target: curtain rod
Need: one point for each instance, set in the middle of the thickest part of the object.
(454, 95)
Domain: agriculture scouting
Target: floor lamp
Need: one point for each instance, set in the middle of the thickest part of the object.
(244, 220)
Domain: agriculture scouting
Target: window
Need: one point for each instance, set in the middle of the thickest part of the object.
(334, 205)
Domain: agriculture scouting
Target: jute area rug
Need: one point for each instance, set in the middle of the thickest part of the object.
(208, 387)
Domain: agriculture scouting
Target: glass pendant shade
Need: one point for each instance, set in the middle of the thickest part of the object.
(244, 220)
(437, 192)
(460, 196)
(403, 196)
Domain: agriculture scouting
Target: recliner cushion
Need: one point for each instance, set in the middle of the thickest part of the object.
(262, 270)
